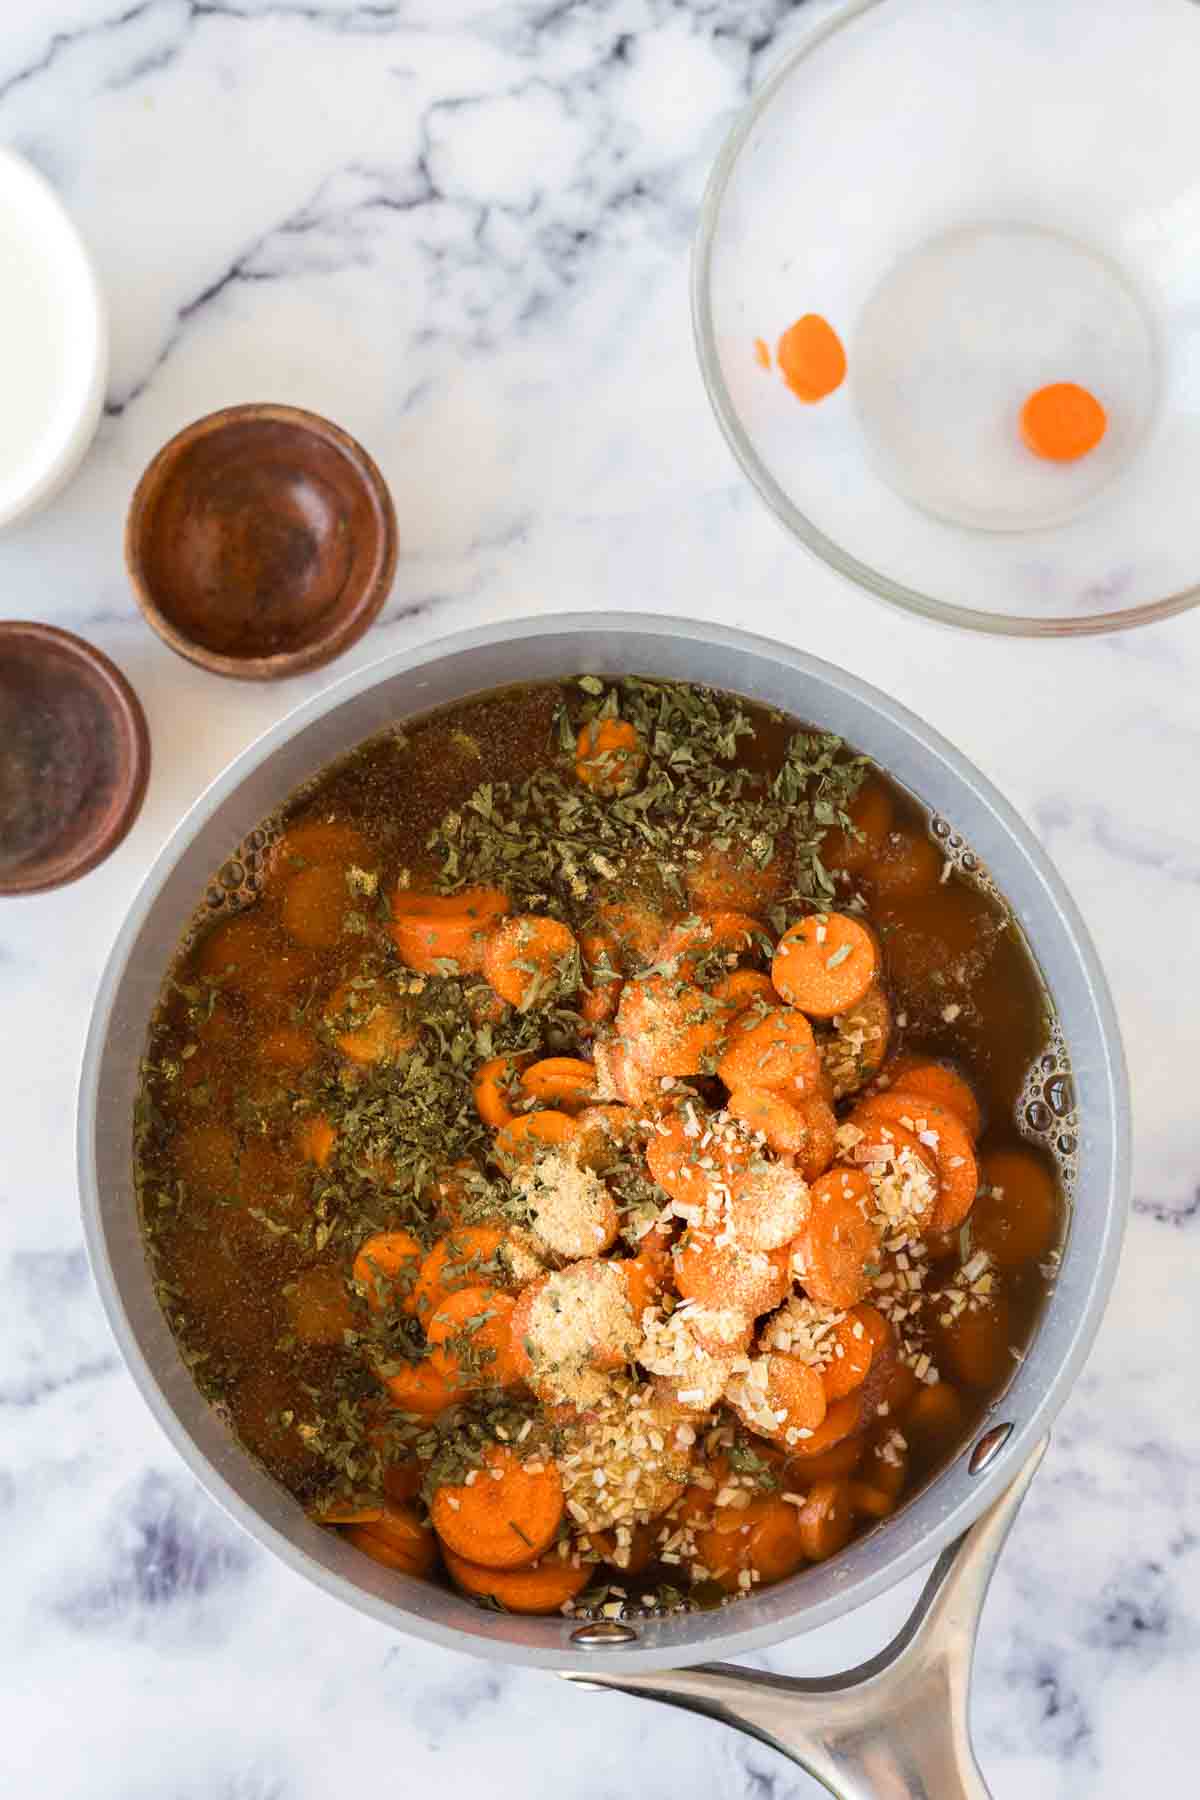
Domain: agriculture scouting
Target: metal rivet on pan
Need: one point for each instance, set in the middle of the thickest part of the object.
(604, 1631)
(987, 1447)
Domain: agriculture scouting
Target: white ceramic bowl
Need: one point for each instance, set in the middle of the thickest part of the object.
(53, 342)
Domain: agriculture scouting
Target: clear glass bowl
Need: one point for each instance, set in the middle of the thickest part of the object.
(981, 199)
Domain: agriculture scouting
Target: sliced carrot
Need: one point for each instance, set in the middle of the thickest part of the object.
(825, 1465)
(870, 813)
(867, 1502)
(247, 957)
(765, 1538)
(825, 964)
(724, 1277)
(610, 756)
(746, 988)
(402, 1480)
(319, 1306)
(914, 1074)
(933, 1419)
(768, 1204)
(944, 1134)
(425, 1388)
(368, 1029)
(728, 878)
(496, 1087)
(602, 981)
(604, 1132)
(842, 1420)
(885, 1146)
(671, 1027)
(315, 1140)
(885, 1464)
(826, 1520)
(704, 947)
(565, 1082)
(532, 961)
(635, 927)
(1063, 421)
(775, 1051)
(622, 1077)
(398, 1540)
(803, 1129)
(644, 1278)
(465, 1257)
(685, 1155)
(811, 358)
(445, 933)
(1015, 1218)
(288, 1047)
(386, 1268)
(909, 864)
(897, 1391)
(476, 1324)
(855, 1048)
(314, 906)
(317, 841)
(544, 1587)
(507, 1516)
(346, 1510)
(853, 1352)
(974, 1346)
(835, 1252)
(530, 1135)
(782, 1398)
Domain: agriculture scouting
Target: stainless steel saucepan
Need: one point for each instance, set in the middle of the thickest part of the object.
(897, 1726)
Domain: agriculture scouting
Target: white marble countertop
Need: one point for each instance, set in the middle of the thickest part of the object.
(460, 227)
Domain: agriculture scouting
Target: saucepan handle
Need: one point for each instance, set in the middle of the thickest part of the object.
(896, 1727)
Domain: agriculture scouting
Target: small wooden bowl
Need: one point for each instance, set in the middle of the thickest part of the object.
(261, 542)
(74, 757)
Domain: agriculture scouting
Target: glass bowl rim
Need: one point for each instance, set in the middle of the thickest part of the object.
(874, 581)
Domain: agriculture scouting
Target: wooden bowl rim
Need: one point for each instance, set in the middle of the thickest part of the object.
(343, 632)
(133, 738)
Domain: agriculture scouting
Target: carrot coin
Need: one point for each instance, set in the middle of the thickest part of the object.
(775, 1051)
(439, 934)
(475, 1324)
(811, 358)
(870, 813)
(544, 1587)
(835, 1252)
(706, 948)
(531, 961)
(730, 878)
(566, 1082)
(724, 1277)
(610, 756)
(1062, 422)
(386, 1268)
(496, 1086)
(531, 1135)
(398, 1540)
(671, 1027)
(825, 964)
(826, 1520)
(940, 1131)
(1015, 1218)
(934, 1081)
(506, 1517)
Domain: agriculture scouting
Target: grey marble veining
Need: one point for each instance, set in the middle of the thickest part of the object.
(461, 229)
